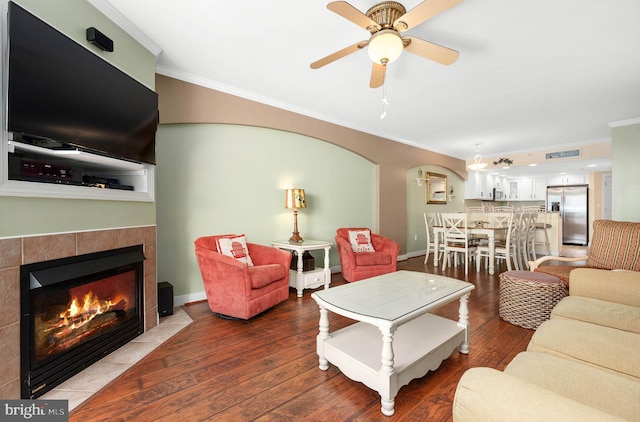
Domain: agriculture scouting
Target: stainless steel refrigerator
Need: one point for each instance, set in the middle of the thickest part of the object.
(572, 202)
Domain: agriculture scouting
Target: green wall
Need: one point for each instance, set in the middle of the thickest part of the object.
(625, 176)
(218, 179)
(25, 216)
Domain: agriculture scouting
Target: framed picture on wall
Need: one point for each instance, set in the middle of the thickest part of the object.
(436, 188)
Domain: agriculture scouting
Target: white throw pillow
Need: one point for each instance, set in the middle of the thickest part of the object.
(361, 240)
(235, 247)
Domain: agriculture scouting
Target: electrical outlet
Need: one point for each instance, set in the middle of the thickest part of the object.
(415, 237)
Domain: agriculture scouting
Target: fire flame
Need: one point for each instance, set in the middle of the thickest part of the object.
(79, 314)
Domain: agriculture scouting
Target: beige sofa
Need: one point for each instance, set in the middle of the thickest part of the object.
(581, 365)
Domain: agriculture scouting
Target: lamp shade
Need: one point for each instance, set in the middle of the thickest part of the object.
(294, 198)
(385, 46)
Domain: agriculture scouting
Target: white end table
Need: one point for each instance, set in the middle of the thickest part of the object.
(307, 279)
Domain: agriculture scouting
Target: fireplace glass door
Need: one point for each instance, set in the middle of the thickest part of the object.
(76, 311)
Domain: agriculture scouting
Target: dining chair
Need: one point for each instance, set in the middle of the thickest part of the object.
(541, 225)
(502, 208)
(479, 209)
(531, 238)
(432, 219)
(456, 239)
(504, 250)
(526, 232)
(499, 219)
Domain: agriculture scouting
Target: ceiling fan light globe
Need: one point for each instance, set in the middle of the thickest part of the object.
(385, 46)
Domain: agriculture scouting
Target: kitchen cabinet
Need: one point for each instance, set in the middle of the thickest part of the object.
(519, 189)
(538, 188)
(527, 189)
(479, 186)
(567, 179)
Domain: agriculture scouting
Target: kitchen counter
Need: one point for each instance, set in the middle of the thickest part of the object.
(554, 231)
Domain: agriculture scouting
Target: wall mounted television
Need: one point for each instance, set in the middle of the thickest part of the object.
(59, 90)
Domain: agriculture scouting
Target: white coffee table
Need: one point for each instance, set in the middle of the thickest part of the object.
(397, 339)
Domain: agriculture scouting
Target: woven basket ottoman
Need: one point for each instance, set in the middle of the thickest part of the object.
(527, 297)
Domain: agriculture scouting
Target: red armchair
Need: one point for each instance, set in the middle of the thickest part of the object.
(237, 290)
(358, 265)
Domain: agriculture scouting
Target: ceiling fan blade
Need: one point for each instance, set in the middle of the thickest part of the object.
(378, 73)
(422, 12)
(431, 51)
(339, 54)
(352, 14)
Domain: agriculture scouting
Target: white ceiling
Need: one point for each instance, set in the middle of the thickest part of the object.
(532, 75)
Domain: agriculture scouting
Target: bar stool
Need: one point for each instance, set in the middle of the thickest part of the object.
(541, 225)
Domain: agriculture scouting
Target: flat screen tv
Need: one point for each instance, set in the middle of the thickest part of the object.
(59, 90)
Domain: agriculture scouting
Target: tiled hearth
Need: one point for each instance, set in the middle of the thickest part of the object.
(17, 251)
(82, 386)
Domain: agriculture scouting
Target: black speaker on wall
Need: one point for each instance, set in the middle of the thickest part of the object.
(100, 40)
(165, 299)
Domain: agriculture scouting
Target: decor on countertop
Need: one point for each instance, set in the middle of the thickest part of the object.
(294, 199)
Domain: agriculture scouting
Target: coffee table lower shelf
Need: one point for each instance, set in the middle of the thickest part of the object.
(418, 346)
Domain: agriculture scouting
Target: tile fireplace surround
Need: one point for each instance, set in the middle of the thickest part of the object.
(17, 251)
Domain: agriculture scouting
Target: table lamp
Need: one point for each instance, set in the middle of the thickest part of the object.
(294, 198)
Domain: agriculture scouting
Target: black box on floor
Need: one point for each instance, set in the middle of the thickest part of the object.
(308, 261)
(165, 299)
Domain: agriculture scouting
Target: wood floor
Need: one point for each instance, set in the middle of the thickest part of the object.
(266, 369)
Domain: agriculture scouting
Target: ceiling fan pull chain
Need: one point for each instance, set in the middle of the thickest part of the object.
(385, 100)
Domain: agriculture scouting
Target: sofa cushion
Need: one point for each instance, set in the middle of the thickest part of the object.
(235, 246)
(489, 395)
(600, 312)
(602, 347)
(360, 240)
(372, 258)
(616, 286)
(615, 245)
(261, 275)
(590, 386)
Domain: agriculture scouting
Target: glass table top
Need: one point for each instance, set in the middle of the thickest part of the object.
(393, 295)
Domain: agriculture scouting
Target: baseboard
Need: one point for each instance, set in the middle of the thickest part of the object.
(415, 254)
(188, 298)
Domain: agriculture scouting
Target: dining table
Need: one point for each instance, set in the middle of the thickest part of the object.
(481, 229)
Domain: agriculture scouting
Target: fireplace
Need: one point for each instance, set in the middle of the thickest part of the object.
(75, 311)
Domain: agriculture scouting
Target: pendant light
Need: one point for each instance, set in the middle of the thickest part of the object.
(477, 161)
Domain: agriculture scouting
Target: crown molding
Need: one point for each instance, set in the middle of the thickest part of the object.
(119, 19)
(627, 122)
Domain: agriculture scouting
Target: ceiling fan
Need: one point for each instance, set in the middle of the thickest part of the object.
(385, 21)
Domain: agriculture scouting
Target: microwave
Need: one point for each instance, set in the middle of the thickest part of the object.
(498, 194)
